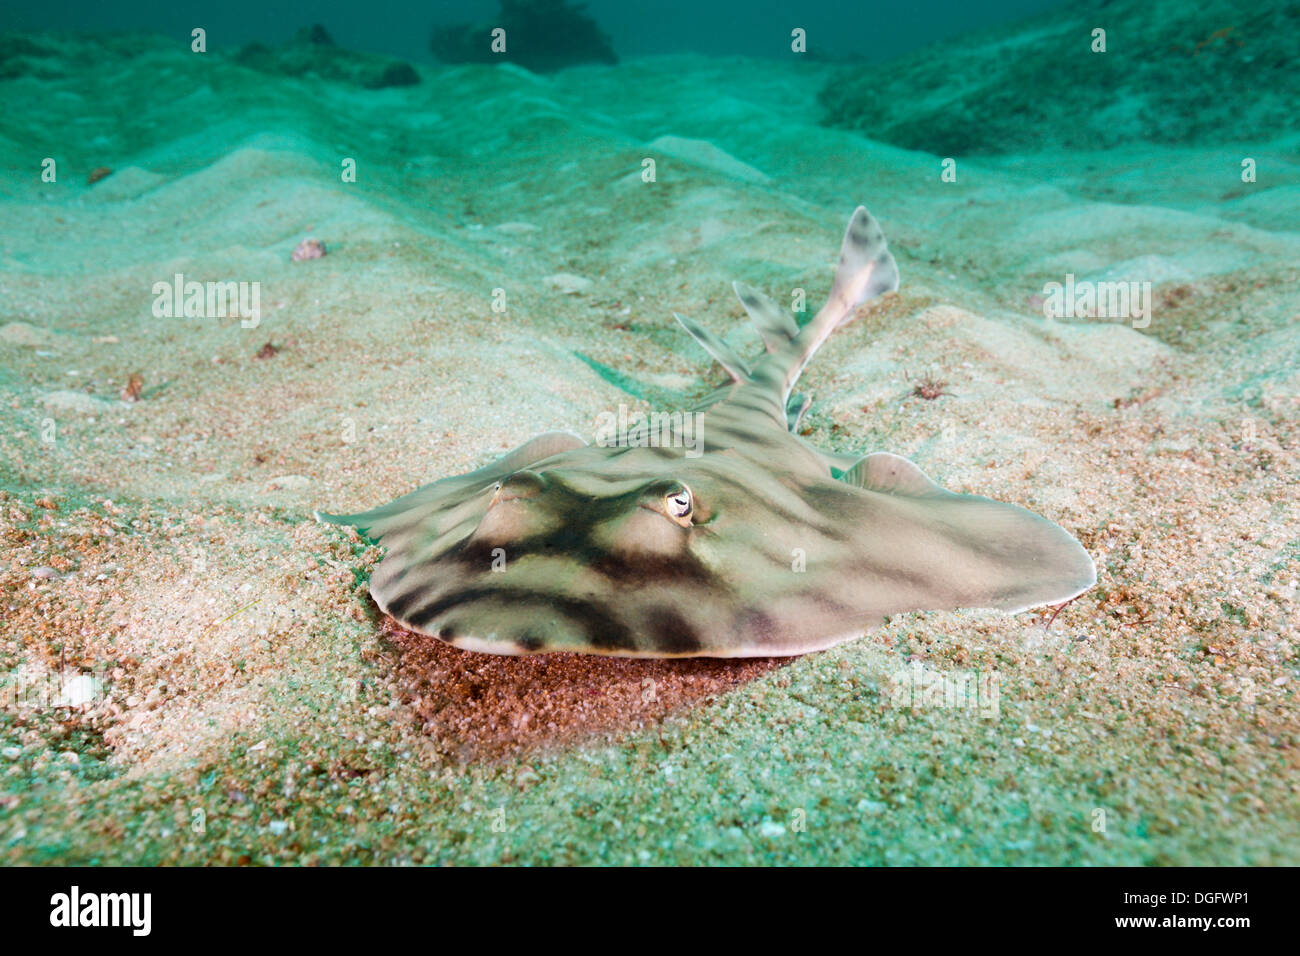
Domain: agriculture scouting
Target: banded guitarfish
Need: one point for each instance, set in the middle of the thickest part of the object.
(762, 545)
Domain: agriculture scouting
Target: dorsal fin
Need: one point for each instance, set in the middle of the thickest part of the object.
(719, 349)
(775, 324)
(893, 475)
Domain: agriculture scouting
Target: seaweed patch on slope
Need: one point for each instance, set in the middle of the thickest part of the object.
(1170, 73)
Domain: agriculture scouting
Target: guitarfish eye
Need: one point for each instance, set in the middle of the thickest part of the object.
(678, 502)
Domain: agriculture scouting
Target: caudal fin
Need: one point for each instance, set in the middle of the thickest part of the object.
(866, 270)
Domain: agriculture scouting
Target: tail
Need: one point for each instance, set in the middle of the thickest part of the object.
(866, 270)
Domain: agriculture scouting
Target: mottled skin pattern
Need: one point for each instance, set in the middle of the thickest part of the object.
(760, 546)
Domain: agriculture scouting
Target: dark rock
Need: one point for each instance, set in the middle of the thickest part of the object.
(312, 52)
(542, 35)
(395, 74)
(316, 35)
(24, 56)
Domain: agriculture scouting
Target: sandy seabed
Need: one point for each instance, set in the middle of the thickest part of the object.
(194, 672)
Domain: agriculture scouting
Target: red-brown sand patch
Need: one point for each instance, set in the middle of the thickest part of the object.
(475, 706)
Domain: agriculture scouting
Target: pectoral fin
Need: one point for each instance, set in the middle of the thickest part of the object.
(918, 546)
(441, 498)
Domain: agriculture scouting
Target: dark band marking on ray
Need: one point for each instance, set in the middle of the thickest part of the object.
(401, 605)
(754, 620)
(574, 543)
(672, 633)
(601, 626)
(685, 570)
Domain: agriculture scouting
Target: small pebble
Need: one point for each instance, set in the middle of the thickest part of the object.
(288, 482)
(78, 691)
(132, 389)
(567, 283)
(308, 249)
